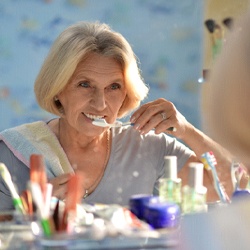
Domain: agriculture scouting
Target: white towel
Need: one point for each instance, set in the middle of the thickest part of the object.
(37, 138)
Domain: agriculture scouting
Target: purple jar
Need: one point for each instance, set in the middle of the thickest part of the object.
(162, 214)
(241, 193)
(138, 202)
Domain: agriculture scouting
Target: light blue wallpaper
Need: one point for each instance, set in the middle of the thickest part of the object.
(166, 36)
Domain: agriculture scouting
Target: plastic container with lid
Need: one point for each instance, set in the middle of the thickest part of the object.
(138, 202)
(162, 214)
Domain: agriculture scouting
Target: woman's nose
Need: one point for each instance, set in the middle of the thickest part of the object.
(98, 99)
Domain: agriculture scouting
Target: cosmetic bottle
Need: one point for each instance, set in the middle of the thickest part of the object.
(194, 194)
(170, 185)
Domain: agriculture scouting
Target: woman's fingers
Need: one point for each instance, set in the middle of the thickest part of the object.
(60, 180)
(159, 115)
(60, 185)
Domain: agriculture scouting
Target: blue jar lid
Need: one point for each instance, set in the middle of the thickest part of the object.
(137, 203)
(241, 193)
(162, 214)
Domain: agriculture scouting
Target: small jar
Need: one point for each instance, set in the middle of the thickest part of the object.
(162, 214)
(241, 193)
(138, 202)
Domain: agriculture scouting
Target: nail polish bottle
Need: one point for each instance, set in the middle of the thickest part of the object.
(194, 194)
(170, 185)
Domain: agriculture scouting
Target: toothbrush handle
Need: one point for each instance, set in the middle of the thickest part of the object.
(132, 124)
(127, 123)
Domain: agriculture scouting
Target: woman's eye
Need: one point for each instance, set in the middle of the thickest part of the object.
(115, 86)
(84, 84)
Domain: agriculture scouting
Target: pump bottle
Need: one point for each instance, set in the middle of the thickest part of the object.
(194, 194)
(170, 184)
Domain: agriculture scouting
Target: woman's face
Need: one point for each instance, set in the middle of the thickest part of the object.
(96, 90)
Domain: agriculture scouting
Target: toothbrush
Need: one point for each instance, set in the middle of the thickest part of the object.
(237, 174)
(16, 198)
(42, 206)
(102, 123)
(41, 191)
(209, 161)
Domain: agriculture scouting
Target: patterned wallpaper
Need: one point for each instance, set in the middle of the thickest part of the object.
(166, 36)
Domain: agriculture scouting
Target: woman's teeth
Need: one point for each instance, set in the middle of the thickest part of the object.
(93, 117)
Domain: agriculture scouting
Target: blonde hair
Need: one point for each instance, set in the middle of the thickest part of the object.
(226, 115)
(72, 46)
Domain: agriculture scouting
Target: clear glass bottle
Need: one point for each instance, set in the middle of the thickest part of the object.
(194, 194)
(170, 185)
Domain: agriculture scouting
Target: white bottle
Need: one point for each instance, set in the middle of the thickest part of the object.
(194, 194)
(170, 185)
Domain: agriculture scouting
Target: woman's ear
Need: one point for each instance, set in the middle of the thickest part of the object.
(58, 105)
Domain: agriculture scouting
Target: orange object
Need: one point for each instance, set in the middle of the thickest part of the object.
(26, 198)
(38, 172)
(73, 197)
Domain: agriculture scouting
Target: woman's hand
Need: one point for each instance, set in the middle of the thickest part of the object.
(160, 115)
(60, 185)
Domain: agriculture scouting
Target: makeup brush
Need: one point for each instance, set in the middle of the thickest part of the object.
(38, 172)
(26, 198)
(41, 192)
(42, 207)
(15, 196)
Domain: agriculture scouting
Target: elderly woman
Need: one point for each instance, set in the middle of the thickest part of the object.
(91, 72)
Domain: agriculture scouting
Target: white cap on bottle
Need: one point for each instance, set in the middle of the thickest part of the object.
(196, 175)
(170, 167)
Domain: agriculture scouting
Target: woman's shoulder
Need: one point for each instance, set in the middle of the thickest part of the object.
(30, 131)
(24, 126)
